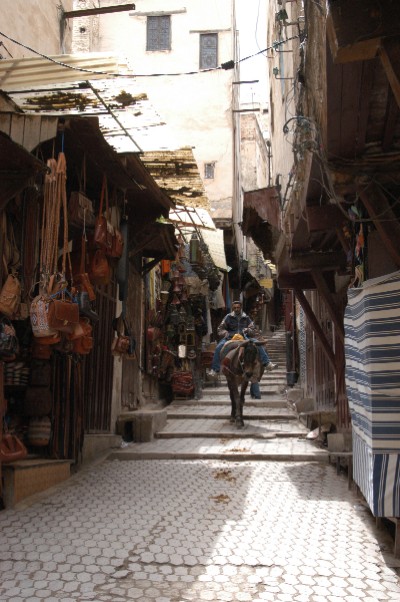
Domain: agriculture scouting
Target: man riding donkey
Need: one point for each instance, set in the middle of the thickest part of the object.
(239, 323)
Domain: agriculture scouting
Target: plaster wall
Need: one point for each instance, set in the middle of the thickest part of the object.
(37, 24)
(196, 107)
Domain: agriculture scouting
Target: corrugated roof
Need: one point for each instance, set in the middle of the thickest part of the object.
(23, 73)
(177, 173)
(127, 118)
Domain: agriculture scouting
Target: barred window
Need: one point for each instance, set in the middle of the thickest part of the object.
(209, 170)
(208, 50)
(159, 33)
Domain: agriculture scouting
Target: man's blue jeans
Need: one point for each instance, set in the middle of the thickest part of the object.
(216, 362)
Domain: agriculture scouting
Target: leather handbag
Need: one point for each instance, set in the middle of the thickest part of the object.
(83, 345)
(9, 345)
(38, 401)
(103, 230)
(11, 449)
(99, 268)
(10, 296)
(63, 314)
(80, 275)
(117, 244)
(124, 343)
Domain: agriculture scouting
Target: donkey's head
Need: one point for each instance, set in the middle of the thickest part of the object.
(249, 358)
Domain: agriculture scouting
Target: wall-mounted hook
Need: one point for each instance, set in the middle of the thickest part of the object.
(275, 71)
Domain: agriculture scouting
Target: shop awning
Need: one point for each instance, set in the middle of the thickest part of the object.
(262, 218)
(96, 85)
(155, 241)
(214, 240)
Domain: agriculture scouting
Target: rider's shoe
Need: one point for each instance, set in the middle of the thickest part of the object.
(212, 372)
(270, 366)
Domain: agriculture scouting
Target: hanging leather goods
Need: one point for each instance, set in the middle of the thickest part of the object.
(10, 296)
(82, 337)
(11, 449)
(103, 230)
(82, 277)
(124, 343)
(99, 268)
(117, 244)
(63, 313)
(80, 208)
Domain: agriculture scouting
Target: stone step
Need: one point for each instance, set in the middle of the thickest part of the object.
(227, 450)
(225, 401)
(207, 428)
(203, 412)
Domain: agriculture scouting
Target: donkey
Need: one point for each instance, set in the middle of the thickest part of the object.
(240, 362)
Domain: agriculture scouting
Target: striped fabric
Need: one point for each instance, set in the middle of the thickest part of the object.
(372, 347)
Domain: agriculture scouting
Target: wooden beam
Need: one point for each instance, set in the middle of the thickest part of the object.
(72, 14)
(326, 217)
(389, 53)
(303, 281)
(316, 327)
(356, 28)
(302, 262)
(383, 217)
(391, 116)
(326, 295)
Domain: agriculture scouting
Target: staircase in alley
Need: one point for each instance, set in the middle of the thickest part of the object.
(200, 428)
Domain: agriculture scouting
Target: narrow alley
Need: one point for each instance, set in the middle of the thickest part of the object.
(203, 512)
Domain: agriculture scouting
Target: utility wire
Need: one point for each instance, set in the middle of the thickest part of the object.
(225, 66)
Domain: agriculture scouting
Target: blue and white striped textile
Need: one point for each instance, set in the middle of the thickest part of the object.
(372, 348)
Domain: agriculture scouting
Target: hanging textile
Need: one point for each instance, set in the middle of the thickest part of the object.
(372, 348)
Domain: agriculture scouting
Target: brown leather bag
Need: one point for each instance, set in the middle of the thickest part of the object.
(80, 275)
(83, 345)
(10, 296)
(99, 268)
(63, 315)
(103, 231)
(117, 244)
(11, 449)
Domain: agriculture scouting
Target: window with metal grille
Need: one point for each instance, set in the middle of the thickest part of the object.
(159, 33)
(209, 169)
(208, 50)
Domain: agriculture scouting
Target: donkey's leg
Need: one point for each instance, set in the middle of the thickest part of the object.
(241, 402)
(233, 404)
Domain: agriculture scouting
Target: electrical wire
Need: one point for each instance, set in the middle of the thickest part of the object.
(224, 66)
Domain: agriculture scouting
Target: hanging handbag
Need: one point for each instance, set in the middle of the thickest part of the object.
(117, 244)
(11, 449)
(9, 346)
(103, 230)
(10, 296)
(63, 313)
(39, 316)
(124, 343)
(80, 276)
(99, 268)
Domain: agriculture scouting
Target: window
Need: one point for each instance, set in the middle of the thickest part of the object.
(209, 169)
(208, 50)
(159, 33)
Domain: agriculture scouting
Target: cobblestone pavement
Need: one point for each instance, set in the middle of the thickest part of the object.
(177, 531)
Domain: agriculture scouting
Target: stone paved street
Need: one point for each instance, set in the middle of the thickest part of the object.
(178, 530)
